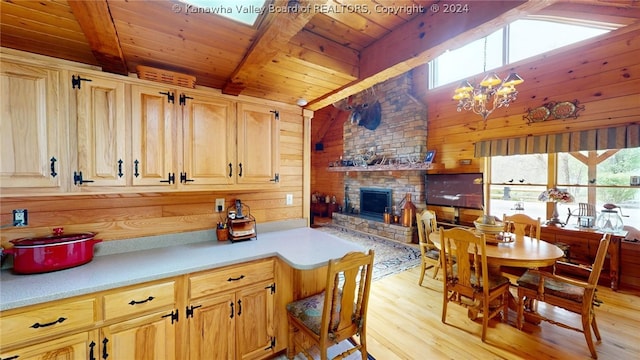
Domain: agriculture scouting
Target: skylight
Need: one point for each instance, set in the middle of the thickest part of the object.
(245, 11)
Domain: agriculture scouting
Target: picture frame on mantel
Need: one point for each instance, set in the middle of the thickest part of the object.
(428, 159)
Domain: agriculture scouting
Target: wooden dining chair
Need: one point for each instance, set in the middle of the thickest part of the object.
(337, 313)
(429, 253)
(522, 225)
(583, 210)
(570, 294)
(469, 283)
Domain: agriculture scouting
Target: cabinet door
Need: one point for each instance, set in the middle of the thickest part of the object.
(254, 325)
(33, 146)
(151, 337)
(212, 328)
(74, 347)
(208, 141)
(153, 127)
(258, 144)
(100, 114)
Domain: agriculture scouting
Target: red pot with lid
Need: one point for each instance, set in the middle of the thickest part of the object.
(52, 252)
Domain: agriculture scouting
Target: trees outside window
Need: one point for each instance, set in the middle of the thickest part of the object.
(594, 177)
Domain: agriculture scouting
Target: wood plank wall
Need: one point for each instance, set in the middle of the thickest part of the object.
(122, 216)
(601, 73)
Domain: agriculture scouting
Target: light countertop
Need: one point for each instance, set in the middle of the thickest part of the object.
(301, 248)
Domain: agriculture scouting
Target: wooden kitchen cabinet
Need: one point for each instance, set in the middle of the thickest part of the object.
(98, 132)
(232, 312)
(153, 133)
(258, 145)
(33, 134)
(73, 347)
(149, 337)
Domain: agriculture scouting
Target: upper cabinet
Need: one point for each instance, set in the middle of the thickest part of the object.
(209, 141)
(98, 142)
(33, 136)
(258, 151)
(68, 129)
(153, 132)
(185, 139)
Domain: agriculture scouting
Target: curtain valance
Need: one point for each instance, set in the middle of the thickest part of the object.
(619, 137)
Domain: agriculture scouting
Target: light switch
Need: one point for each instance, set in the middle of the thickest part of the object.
(289, 199)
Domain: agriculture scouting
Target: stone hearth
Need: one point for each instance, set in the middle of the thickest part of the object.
(394, 232)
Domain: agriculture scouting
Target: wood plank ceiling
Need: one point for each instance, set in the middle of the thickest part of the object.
(324, 52)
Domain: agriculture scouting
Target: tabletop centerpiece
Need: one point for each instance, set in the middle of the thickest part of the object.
(555, 196)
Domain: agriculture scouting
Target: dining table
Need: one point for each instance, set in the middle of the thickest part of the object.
(517, 251)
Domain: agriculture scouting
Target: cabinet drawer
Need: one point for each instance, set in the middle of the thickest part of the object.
(229, 278)
(139, 299)
(53, 319)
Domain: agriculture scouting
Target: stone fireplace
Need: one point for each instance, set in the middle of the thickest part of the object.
(401, 137)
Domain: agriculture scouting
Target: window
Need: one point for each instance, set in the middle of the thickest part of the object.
(515, 183)
(594, 177)
(525, 38)
(246, 12)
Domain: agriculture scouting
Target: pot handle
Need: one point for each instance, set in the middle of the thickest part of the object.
(4, 251)
(95, 241)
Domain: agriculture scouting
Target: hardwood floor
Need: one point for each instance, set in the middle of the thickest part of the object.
(404, 322)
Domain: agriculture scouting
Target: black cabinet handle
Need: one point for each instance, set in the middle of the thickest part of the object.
(236, 279)
(230, 169)
(53, 167)
(240, 173)
(59, 321)
(91, 349)
(120, 168)
(134, 302)
(105, 354)
(136, 173)
(239, 307)
(232, 312)
(11, 357)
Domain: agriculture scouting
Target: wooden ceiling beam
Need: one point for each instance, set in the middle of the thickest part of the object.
(98, 27)
(278, 29)
(426, 37)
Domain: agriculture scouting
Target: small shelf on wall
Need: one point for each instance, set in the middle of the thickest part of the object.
(388, 168)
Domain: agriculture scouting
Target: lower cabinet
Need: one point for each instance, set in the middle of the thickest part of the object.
(232, 312)
(227, 314)
(73, 347)
(150, 337)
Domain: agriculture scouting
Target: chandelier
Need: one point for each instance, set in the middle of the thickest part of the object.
(490, 94)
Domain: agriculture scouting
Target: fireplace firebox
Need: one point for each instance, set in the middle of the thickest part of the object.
(373, 202)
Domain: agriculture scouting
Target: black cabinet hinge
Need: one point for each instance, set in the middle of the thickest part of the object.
(276, 113)
(272, 344)
(78, 180)
(276, 178)
(170, 96)
(171, 178)
(183, 99)
(77, 81)
(184, 179)
(190, 309)
(272, 287)
(174, 316)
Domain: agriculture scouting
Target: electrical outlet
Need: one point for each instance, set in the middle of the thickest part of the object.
(20, 217)
(289, 199)
(219, 205)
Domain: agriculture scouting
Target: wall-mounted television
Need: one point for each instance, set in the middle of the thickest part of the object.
(455, 190)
